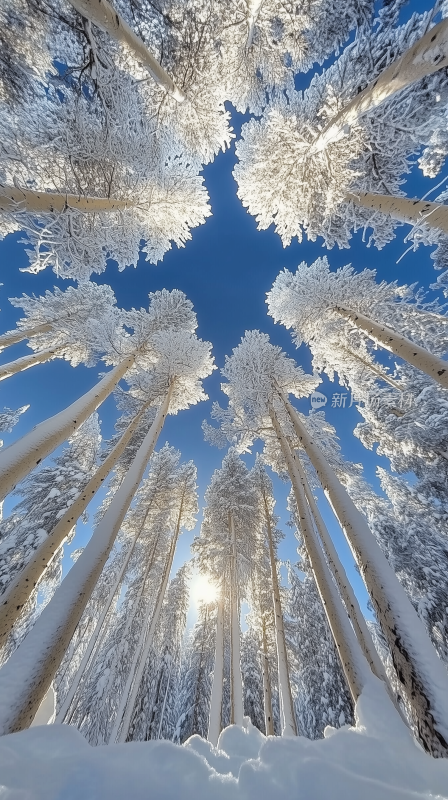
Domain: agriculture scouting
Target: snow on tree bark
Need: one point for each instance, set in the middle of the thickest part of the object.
(214, 724)
(237, 709)
(25, 362)
(16, 200)
(17, 460)
(404, 209)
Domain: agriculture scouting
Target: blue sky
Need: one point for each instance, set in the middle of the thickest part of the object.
(226, 271)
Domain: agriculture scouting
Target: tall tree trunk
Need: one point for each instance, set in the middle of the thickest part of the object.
(195, 725)
(254, 10)
(354, 664)
(214, 723)
(427, 55)
(98, 627)
(20, 364)
(284, 685)
(17, 460)
(345, 589)
(404, 209)
(101, 13)
(420, 358)
(18, 335)
(418, 667)
(267, 695)
(16, 200)
(162, 713)
(25, 678)
(129, 695)
(237, 703)
(19, 590)
(371, 367)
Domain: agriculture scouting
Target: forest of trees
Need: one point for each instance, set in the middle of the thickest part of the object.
(110, 111)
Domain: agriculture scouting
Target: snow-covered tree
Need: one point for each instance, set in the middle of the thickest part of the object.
(44, 496)
(252, 672)
(315, 300)
(195, 683)
(170, 371)
(321, 694)
(88, 183)
(313, 160)
(225, 548)
(9, 418)
(260, 377)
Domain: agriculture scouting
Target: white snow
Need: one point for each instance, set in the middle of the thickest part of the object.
(377, 759)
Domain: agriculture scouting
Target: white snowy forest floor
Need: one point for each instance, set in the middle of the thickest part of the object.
(376, 760)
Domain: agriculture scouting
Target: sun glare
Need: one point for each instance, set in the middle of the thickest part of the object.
(203, 590)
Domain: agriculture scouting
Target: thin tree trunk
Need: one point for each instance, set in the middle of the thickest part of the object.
(129, 695)
(427, 55)
(162, 713)
(96, 633)
(404, 209)
(15, 200)
(19, 590)
(418, 667)
(267, 695)
(284, 684)
(101, 13)
(237, 703)
(372, 368)
(195, 724)
(20, 364)
(345, 589)
(25, 678)
(254, 10)
(354, 664)
(17, 460)
(18, 335)
(400, 345)
(214, 723)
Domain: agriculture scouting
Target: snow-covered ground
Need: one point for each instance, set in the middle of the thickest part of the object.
(377, 760)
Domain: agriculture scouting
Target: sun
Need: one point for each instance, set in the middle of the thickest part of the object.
(203, 590)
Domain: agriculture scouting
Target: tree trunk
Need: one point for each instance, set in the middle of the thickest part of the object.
(19, 590)
(162, 713)
(17, 200)
(17, 460)
(214, 723)
(101, 13)
(345, 589)
(284, 685)
(267, 696)
(395, 343)
(237, 703)
(96, 633)
(354, 664)
(254, 10)
(404, 209)
(20, 364)
(129, 696)
(418, 667)
(25, 678)
(371, 368)
(427, 55)
(12, 337)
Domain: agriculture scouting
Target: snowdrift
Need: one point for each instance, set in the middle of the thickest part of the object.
(377, 759)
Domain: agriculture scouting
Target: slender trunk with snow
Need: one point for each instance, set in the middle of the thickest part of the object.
(345, 589)
(284, 684)
(354, 664)
(371, 368)
(254, 10)
(17, 460)
(162, 713)
(404, 209)
(18, 591)
(214, 722)
(400, 345)
(125, 711)
(427, 55)
(15, 200)
(25, 678)
(419, 669)
(20, 364)
(101, 13)
(18, 335)
(236, 683)
(267, 695)
(74, 683)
